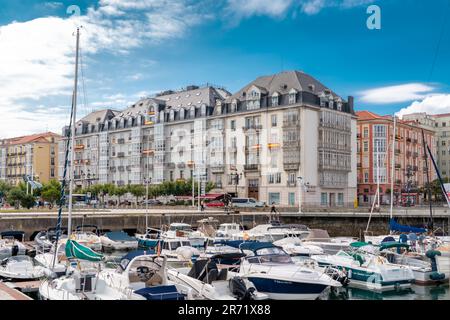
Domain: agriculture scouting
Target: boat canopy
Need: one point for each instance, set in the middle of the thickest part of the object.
(133, 254)
(74, 250)
(232, 243)
(119, 236)
(389, 245)
(254, 246)
(401, 228)
(359, 244)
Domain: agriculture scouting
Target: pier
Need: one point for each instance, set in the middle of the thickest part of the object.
(9, 293)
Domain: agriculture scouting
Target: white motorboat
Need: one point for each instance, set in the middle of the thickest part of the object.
(118, 240)
(20, 268)
(209, 283)
(44, 240)
(273, 272)
(227, 230)
(272, 232)
(296, 247)
(146, 275)
(88, 239)
(321, 238)
(11, 247)
(368, 271)
(56, 265)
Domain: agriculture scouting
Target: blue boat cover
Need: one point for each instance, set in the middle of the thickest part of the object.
(160, 293)
(232, 243)
(401, 228)
(254, 246)
(149, 243)
(119, 236)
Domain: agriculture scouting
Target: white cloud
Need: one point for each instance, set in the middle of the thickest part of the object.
(433, 104)
(395, 94)
(278, 8)
(37, 55)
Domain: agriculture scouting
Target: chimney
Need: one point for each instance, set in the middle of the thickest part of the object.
(350, 104)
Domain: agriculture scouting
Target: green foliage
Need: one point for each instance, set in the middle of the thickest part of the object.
(51, 192)
(28, 201)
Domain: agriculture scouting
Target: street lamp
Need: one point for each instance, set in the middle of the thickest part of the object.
(237, 177)
(301, 184)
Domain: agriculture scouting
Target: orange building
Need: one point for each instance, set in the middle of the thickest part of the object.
(374, 158)
(35, 155)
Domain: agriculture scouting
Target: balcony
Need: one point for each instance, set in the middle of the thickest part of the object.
(121, 141)
(218, 169)
(255, 127)
(251, 167)
(291, 123)
(170, 165)
(120, 154)
(190, 164)
(121, 169)
(149, 152)
(181, 165)
(273, 146)
(79, 147)
(291, 166)
(291, 184)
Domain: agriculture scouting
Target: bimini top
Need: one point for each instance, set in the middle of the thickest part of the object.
(119, 236)
(133, 254)
(395, 226)
(388, 245)
(255, 246)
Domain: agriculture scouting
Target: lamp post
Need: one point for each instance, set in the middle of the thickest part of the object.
(237, 177)
(301, 185)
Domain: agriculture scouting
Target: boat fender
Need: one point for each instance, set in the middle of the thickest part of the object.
(436, 276)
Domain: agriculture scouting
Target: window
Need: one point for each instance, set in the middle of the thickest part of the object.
(292, 97)
(274, 120)
(181, 174)
(291, 178)
(233, 125)
(323, 199)
(366, 132)
(291, 198)
(275, 100)
(340, 199)
(366, 146)
(171, 175)
(366, 177)
(274, 197)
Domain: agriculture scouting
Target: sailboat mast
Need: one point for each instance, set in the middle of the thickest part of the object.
(393, 167)
(428, 181)
(72, 153)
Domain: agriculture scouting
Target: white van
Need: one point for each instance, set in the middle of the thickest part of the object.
(246, 203)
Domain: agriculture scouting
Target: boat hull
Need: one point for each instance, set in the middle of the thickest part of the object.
(287, 290)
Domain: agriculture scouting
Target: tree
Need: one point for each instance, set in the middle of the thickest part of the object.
(15, 196)
(28, 201)
(137, 191)
(4, 189)
(51, 192)
(119, 192)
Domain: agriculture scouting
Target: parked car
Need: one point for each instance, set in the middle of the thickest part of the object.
(247, 203)
(215, 204)
(152, 202)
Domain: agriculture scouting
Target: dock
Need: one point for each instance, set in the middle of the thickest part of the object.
(9, 293)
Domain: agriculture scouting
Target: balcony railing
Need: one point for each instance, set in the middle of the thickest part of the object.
(218, 169)
(251, 167)
(252, 127)
(121, 154)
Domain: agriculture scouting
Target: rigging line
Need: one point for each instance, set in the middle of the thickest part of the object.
(438, 47)
(85, 100)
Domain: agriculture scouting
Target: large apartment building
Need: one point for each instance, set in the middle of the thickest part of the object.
(255, 143)
(375, 140)
(33, 156)
(440, 124)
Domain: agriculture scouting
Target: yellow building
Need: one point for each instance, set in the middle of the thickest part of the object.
(33, 156)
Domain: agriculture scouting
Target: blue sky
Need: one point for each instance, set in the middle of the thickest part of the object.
(135, 48)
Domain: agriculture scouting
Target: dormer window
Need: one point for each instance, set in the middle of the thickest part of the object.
(234, 105)
(192, 112)
(203, 110)
(339, 104)
(275, 99)
(323, 100)
(172, 115)
(293, 96)
(182, 114)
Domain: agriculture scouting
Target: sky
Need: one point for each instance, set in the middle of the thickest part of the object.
(136, 48)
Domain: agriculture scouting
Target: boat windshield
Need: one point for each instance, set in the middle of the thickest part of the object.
(19, 259)
(272, 258)
(267, 251)
(180, 228)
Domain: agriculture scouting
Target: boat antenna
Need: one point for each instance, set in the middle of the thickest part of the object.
(430, 223)
(74, 119)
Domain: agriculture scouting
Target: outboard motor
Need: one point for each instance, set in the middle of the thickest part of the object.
(436, 275)
(14, 250)
(239, 289)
